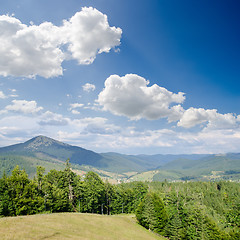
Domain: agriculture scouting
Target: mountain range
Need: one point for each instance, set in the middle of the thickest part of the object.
(51, 153)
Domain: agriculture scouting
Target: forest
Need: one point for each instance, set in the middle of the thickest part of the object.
(186, 210)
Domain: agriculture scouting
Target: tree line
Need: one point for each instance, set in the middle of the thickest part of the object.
(65, 191)
(190, 210)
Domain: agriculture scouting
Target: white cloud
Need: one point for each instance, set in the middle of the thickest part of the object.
(53, 119)
(101, 135)
(29, 51)
(13, 95)
(75, 112)
(131, 97)
(23, 106)
(38, 50)
(195, 116)
(121, 139)
(223, 121)
(176, 113)
(76, 105)
(2, 95)
(73, 107)
(96, 125)
(8, 130)
(13, 127)
(89, 126)
(211, 140)
(88, 87)
(88, 34)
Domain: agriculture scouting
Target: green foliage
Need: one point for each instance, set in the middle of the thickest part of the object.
(19, 195)
(151, 213)
(200, 210)
(126, 197)
(186, 210)
(94, 193)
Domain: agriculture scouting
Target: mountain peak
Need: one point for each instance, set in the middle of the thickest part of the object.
(41, 141)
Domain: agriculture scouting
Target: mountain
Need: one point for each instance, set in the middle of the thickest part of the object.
(50, 148)
(51, 154)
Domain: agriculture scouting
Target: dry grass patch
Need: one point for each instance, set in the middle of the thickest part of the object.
(73, 226)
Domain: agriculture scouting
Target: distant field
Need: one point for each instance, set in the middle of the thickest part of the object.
(73, 226)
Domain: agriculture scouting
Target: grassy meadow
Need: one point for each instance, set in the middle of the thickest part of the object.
(73, 226)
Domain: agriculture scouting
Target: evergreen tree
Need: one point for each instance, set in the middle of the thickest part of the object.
(94, 193)
(151, 213)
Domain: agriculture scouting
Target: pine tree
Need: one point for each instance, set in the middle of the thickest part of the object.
(94, 193)
(151, 213)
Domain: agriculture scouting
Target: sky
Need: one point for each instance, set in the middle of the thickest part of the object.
(134, 77)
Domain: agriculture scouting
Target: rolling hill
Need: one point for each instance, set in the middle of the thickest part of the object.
(73, 226)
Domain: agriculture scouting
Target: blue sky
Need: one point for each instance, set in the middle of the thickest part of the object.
(124, 76)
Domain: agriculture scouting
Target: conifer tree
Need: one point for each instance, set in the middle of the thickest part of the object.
(151, 213)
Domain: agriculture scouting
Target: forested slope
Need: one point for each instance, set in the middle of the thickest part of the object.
(187, 210)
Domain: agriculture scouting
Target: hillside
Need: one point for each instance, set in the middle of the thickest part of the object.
(208, 167)
(174, 210)
(73, 226)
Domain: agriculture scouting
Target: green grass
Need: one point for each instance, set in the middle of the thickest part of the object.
(144, 176)
(73, 226)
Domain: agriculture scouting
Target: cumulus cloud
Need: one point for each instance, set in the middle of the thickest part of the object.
(88, 34)
(40, 50)
(223, 121)
(130, 96)
(23, 106)
(195, 116)
(88, 87)
(29, 50)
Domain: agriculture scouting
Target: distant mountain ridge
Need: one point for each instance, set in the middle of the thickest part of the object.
(116, 162)
(49, 152)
